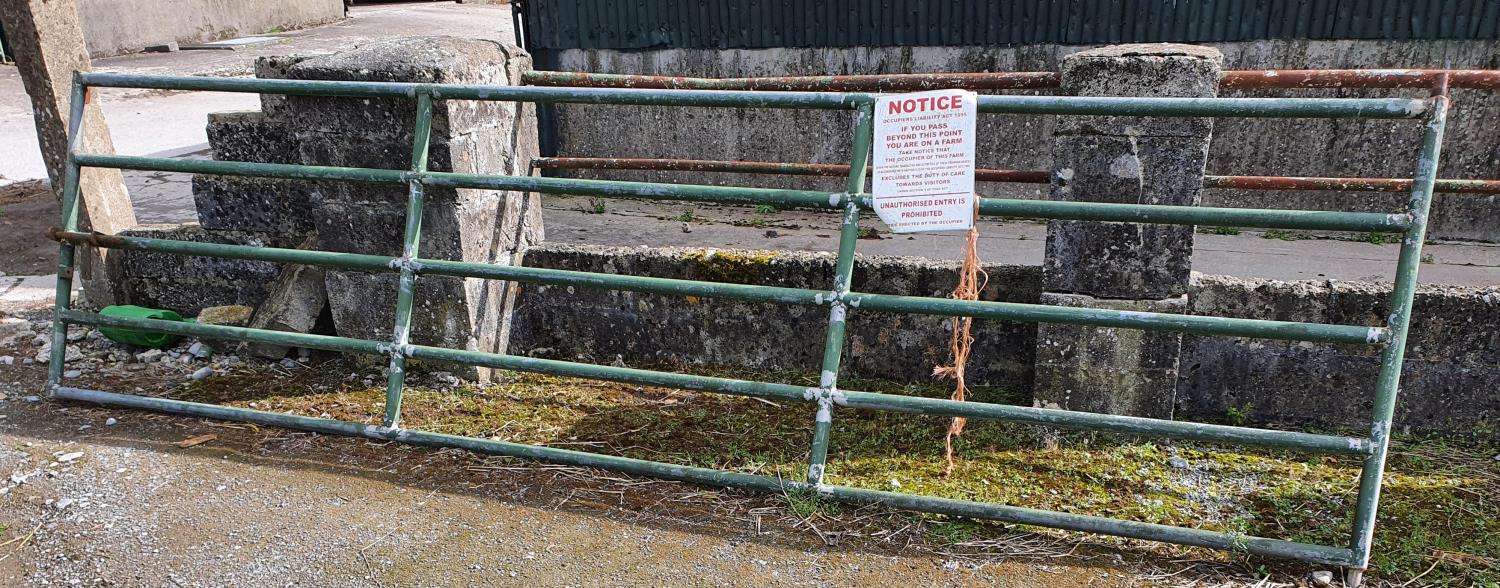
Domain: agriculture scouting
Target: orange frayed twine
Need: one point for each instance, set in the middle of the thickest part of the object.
(969, 285)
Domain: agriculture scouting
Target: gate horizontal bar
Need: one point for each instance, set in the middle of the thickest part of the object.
(1103, 317)
(1014, 311)
(1010, 175)
(640, 467)
(707, 98)
(1112, 106)
(1325, 220)
(1487, 79)
(1331, 444)
(769, 390)
(1037, 209)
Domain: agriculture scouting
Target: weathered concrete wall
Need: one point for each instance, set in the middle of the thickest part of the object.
(597, 325)
(1452, 370)
(1240, 147)
(1449, 379)
(112, 27)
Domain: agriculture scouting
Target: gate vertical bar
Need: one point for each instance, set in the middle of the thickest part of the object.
(67, 252)
(843, 275)
(1402, 293)
(406, 291)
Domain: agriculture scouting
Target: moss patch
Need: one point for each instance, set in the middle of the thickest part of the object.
(739, 267)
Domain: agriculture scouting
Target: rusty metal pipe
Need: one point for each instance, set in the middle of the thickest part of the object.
(1007, 175)
(1346, 184)
(1482, 79)
(1023, 80)
(754, 167)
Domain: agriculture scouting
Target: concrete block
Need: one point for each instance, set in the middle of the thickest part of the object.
(295, 301)
(188, 284)
(250, 135)
(1107, 370)
(1123, 260)
(417, 59)
(1128, 170)
(1145, 69)
(481, 152)
(274, 67)
(261, 205)
(484, 226)
(1118, 260)
(448, 312)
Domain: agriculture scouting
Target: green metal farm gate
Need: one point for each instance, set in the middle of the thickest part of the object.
(839, 299)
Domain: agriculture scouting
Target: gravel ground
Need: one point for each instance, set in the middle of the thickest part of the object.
(93, 496)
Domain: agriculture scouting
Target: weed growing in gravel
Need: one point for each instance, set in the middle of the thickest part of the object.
(1285, 235)
(1378, 238)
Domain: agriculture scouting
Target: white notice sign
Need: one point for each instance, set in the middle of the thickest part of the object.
(924, 160)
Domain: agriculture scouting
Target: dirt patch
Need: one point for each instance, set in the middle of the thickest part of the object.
(106, 498)
(26, 210)
(257, 502)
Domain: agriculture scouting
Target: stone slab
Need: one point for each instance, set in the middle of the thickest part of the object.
(649, 329)
(250, 135)
(420, 59)
(227, 203)
(295, 302)
(1143, 69)
(187, 284)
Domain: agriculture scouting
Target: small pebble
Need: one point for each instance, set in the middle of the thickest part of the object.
(7, 359)
(1322, 578)
(32, 398)
(70, 374)
(202, 373)
(67, 457)
(200, 351)
(1178, 462)
(111, 421)
(62, 503)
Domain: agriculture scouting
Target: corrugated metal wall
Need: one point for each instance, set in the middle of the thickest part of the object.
(645, 24)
